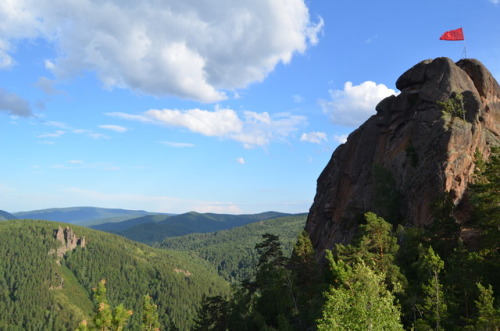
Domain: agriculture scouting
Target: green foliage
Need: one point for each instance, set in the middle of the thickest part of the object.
(485, 198)
(454, 105)
(360, 301)
(364, 278)
(213, 314)
(377, 247)
(105, 318)
(387, 198)
(489, 316)
(231, 252)
(149, 315)
(411, 154)
(30, 279)
(432, 308)
(158, 230)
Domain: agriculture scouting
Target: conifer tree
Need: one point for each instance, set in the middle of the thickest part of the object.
(488, 316)
(106, 318)
(377, 247)
(433, 307)
(149, 315)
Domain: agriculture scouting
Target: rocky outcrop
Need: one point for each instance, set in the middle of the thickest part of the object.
(404, 158)
(68, 240)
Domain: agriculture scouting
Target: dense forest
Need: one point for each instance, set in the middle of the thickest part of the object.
(443, 277)
(39, 293)
(232, 252)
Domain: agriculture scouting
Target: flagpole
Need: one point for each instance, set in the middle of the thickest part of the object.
(465, 49)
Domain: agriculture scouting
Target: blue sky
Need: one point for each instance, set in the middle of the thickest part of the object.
(213, 106)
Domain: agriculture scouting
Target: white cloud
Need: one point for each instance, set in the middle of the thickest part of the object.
(255, 129)
(355, 103)
(96, 136)
(131, 117)
(12, 103)
(341, 139)
(220, 122)
(240, 160)
(314, 137)
(176, 144)
(185, 48)
(260, 129)
(60, 125)
(56, 134)
(116, 128)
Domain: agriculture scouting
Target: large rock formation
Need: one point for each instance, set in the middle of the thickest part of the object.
(404, 158)
(69, 241)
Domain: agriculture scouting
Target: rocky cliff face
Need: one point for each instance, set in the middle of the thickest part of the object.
(69, 241)
(404, 158)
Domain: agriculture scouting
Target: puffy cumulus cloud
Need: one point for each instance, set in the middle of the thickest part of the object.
(186, 48)
(14, 104)
(116, 128)
(260, 129)
(220, 122)
(355, 103)
(254, 129)
(314, 137)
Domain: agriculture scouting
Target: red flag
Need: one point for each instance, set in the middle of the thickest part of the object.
(457, 34)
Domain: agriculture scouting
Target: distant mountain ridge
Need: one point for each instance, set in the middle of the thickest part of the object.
(6, 216)
(82, 215)
(152, 228)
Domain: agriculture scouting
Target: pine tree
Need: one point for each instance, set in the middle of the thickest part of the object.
(305, 278)
(106, 318)
(488, 317)
(149, 315)
(433, 307)
(377, 247)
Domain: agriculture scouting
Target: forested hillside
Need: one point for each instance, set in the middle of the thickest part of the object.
(171, 226)
(232, 252)
(39, 293)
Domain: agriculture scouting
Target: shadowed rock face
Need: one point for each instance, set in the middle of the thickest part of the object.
(403, 159)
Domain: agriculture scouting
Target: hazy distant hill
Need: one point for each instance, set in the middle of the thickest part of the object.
(116, 227)
(36, 293)
(171, 226)
(231, 252)
(82, 215)
(6, 216)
